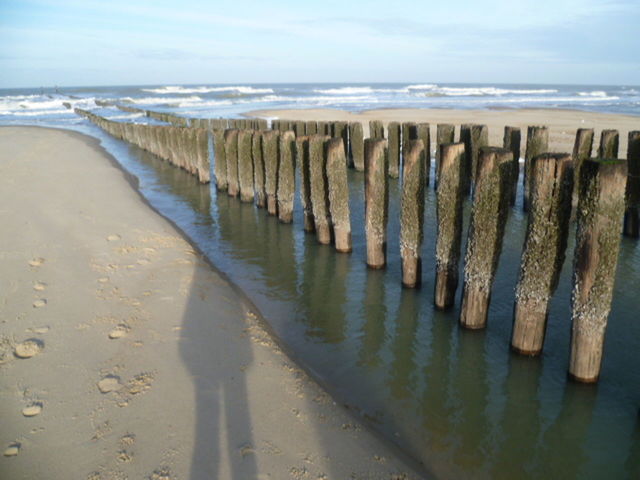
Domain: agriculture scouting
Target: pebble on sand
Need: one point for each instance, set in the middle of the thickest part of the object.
(32, 410)
(39, 286)
(110, 383)
(41, 302)
(12, 450)
(28, 348)
(113, 238)
(36, 262)
(117, 332)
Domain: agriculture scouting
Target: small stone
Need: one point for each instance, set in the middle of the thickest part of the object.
(110, 383)
(113, 238)
(103, 279)
(41, 302)
(36, 262)
(12, 450)
(39, 286)
(32, 410)
(28, 348)
(117, 333)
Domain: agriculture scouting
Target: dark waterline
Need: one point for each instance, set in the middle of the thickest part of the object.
(458, 401)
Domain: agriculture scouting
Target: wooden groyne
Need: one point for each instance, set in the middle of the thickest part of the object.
(537, 143)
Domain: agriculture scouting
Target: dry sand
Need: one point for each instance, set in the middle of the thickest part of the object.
(124, 355)
(562, 123)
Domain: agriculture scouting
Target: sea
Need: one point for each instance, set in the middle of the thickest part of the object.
(459, 402)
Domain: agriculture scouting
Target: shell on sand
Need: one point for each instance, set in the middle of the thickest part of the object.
(28, 348)
(12, 450)
(32, 410)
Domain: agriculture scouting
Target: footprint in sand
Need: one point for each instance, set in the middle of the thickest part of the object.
(28, 348)
(113, 238)
(118, 332)
(36, 262)
(110, 383)
(32, 410)
(12, 450)
(39, 303)
(39, 286)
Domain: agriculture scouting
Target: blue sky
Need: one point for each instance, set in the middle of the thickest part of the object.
(115, 42)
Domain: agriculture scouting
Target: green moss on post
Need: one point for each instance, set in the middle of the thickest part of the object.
(609, 141)
(376, 129)
(486, 231)
(231, 154)
(245, 165)
(511, 142)
(412, 213)
(319, 190)
(356, 145)
(338, 186)
(537, 144)
(376, 201)
(286, 176)
(544, 249)
(258, 170)
(581, 152)
(599, 219)
(393, 134)
(302, 164)
(444, 134)
(450, 199)
(424, 134)
(219, 158)
(270, 156)
(631, 217)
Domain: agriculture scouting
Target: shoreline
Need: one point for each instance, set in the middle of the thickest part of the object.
(349, 452)
(562, 123)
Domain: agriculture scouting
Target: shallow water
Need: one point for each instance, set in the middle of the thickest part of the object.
(459, 401)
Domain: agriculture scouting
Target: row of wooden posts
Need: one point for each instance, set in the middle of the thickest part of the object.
(259, 165)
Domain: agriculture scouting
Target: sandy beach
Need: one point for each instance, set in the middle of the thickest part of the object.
(125, 355)
(562, 124)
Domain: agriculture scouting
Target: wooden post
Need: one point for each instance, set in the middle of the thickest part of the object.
(300, 128)
(409, 132)
(322, 128)
(450, 197)
(312, 128)
(412, 213)
(376, 201)
(319, 191)
(479, 139)
(544, 249)
(258, 170)
(376, 129)
(599, 219)
(245, 165)
(393, 133)
(609, 140)
(356, 145)
(631, 217)
(537, 143)
(465, 137)
(270, 156)
(424, 134)
(286, 176)
(341, 130)
(336, 169)
(486, 231)
(231, 154)
(581, 152)
(444, 134)
(511, 141)
(302, 164)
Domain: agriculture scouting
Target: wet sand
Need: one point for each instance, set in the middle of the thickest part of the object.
(125, 355)
(562, 123)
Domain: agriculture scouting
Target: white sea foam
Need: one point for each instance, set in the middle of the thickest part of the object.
(346, 90)
(161, 100)
(126, 117)
(187, 90)
(24, 105)
(595, 93)
(434, 90)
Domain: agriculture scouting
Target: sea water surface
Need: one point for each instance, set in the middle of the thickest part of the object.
(459, 401)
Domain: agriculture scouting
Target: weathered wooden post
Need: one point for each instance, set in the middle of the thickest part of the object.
(478, 137)
(486, 231)
(511, 142)
(270, 157)
(231, 154)
(450, 198)
(319, 190)
(424, 134)
(412, 213)
(631, 217)
(286, 176)
(341, 130)
(311, 128)
(376, 129)
(204, 167)
(323, 128)
(302, 164)
(609, 141)
(537, 143)
(300, 128)
(544, 249)
(356, 145)
(338, 194)
(444, 134)
(245, 165)
(581, 152)
(393, 134)
(258, 170)
(599, 220)
(376, 201)
(409, 132)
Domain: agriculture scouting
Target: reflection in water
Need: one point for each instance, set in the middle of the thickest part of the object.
(456, 400)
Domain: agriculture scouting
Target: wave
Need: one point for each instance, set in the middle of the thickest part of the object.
(346, 90)
(34, 113)
(188, 90)
(19, 104)
(434, 90)
(596, 93)
(129, 116)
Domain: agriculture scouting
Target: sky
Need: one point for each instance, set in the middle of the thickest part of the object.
(139, 42)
